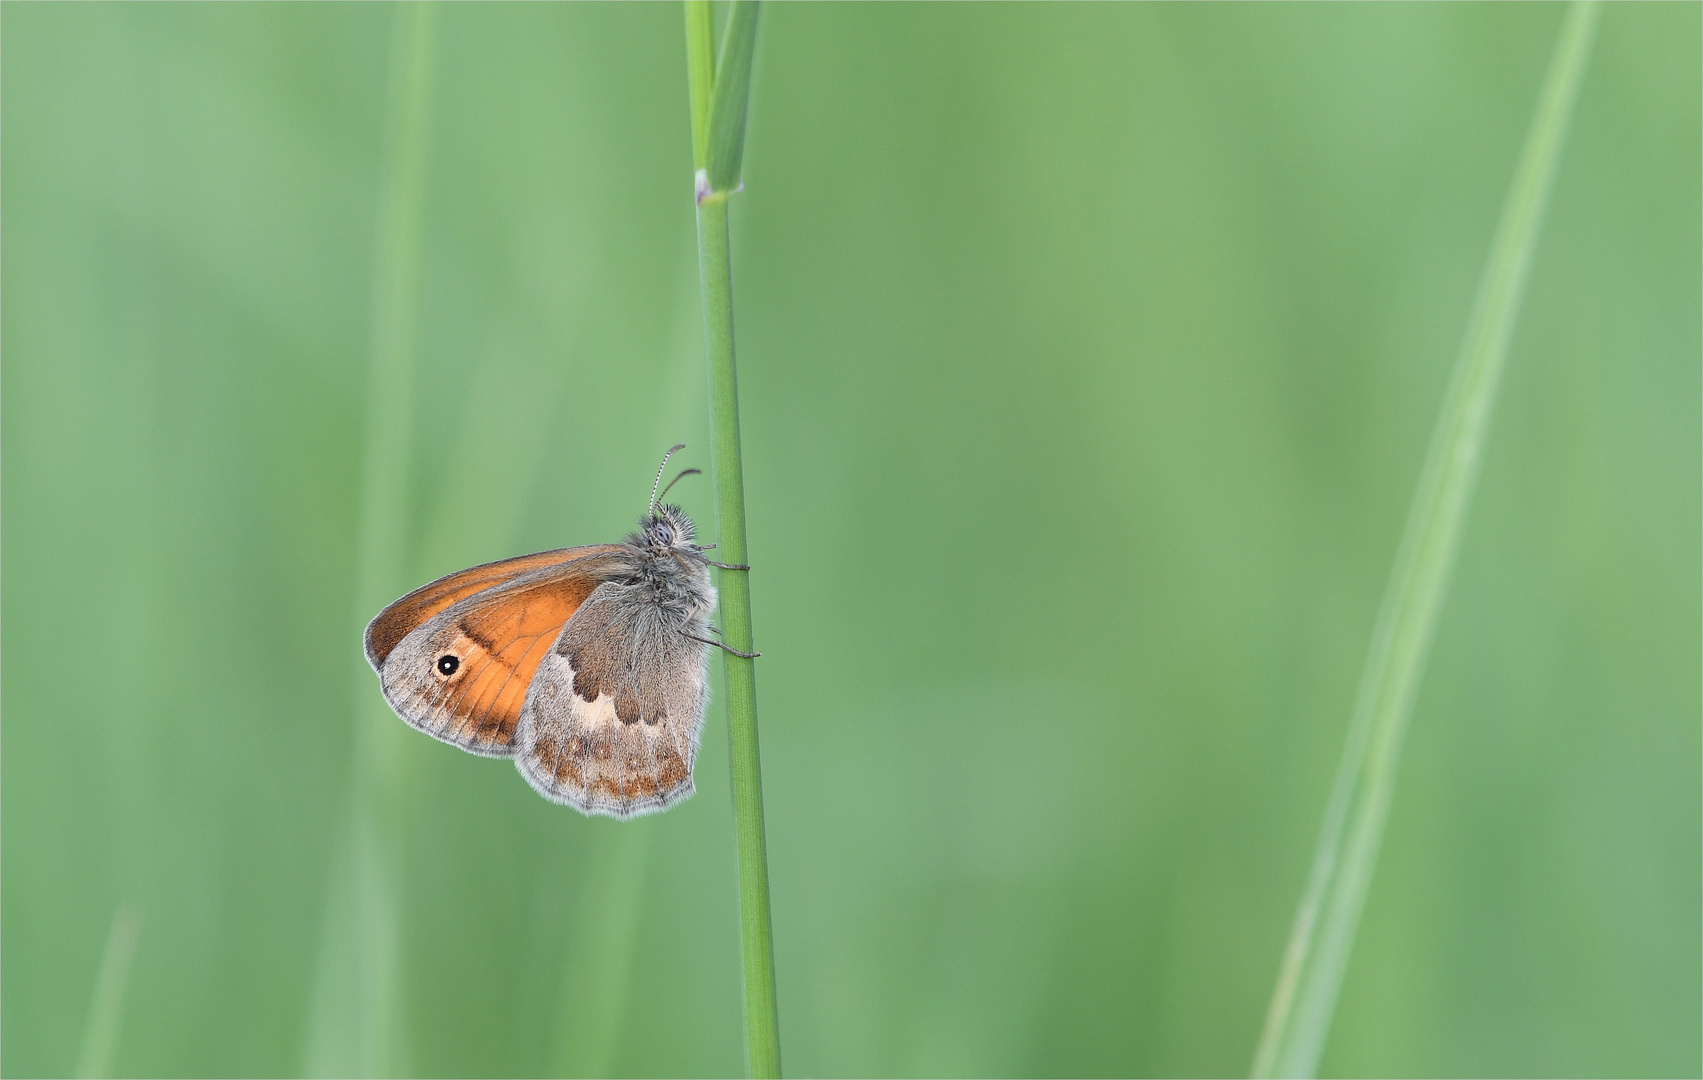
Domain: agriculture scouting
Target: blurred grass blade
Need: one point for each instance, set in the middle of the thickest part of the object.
(599, 975)
(355, 1020)
(100, 1031)
(1323, 933)
(762, 1026)
(732, 81)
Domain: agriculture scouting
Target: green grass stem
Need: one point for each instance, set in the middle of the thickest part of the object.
(106, 1008)
(355, 1025)
(1323, 933)
(710, 128)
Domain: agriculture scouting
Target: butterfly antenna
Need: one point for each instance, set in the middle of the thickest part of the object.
(683, 474)
(662, 469)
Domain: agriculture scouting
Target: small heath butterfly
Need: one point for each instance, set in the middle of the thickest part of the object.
(587, 665)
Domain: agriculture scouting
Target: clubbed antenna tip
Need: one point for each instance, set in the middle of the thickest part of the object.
(660, 470)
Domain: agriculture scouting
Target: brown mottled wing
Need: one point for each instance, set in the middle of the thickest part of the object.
(461, 674)
(611, 724)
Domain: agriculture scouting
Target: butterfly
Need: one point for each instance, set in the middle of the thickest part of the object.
(587, 665)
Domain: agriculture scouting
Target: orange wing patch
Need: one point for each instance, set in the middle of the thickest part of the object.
(497, 647)
(463, 674)
(406, 615)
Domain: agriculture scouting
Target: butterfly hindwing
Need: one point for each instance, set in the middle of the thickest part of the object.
(611, 725)
(461, 674)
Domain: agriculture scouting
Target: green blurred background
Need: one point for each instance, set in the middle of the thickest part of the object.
(1088, 355)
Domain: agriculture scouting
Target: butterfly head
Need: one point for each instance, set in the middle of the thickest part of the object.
(666, 527)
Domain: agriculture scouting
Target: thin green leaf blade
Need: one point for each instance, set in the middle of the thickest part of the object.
(355, 1019)
(1322, 936)
(106, 1010)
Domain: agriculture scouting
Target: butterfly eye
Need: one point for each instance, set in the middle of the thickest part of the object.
(665, 534)
(448, 664)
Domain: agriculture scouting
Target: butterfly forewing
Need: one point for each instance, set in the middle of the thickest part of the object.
(461, 674)
(403, 617)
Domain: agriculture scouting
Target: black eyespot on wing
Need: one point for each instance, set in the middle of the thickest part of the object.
(448, 664)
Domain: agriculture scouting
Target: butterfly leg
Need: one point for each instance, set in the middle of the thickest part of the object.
(728, 566)
(729, 648)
